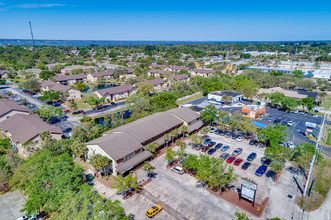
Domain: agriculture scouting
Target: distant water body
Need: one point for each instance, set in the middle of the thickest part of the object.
(93, 42)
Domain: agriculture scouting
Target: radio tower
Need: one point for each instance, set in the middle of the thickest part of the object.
(34, 46)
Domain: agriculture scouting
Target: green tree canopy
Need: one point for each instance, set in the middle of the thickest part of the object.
(46, 74)
(209, 114)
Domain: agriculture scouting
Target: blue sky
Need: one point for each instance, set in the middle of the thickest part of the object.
(239, 20)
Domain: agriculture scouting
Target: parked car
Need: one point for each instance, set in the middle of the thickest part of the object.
(153, 211)
(205, 137)
(284, 122)
(82, 112)
(223, 133)
(238, 161)
(230, 159)
(218, 146)
(224, 156)
(251, 157)
(252, 142)
(198, 146)
(301, 113)
(228, 135)
(66, 130)
(266, 162)
(212, 143)
(278, 120)
(245, 165)
(207, 141)
(261, 170)
(290, 123)
(211, 151)
(178, 170)
(271, 174)
(66, 110)
(76, 112)
(240, 138)
(113, 103)
(235, 136)
(237, 152)
(204, 148)
(53, 121)
(225, 148)
(295, 111)
(56, 104)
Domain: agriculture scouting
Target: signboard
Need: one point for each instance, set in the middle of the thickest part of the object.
(248, 190)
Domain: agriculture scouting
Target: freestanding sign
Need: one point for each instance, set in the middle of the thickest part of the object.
(248, 191)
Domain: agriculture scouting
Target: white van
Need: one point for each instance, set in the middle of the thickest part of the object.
(178, 170)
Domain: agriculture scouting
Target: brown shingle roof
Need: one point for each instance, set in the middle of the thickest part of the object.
(154, 82)
(104, 73)
(55, 86)
(115, 90)
(8, 105)
(180, 77)
(185, 114)
(157, 71)
(203, 71)
(69, 77)
(25, 127)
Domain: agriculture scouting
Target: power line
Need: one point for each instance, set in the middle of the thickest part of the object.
(34, 46)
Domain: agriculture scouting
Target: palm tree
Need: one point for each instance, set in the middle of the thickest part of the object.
(172, 135)
(79, 149)
(166, 138)
(152, 147)
(98, 162)
(45, 136)
(170, 155)
(124, 184)
(73, 105)
(183, 129)
(149, 169)
(204, 130)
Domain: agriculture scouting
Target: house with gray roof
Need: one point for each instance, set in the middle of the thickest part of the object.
(115, 93)
(181, 77)
(177, 68)
(125, 145)
(23, 129)
(156, 72)
(161, 67)
(9, 108)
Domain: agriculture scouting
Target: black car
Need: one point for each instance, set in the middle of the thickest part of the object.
(271, 174)
(277, 121)
(228, 135)
(113, 103)
(252, 142)
(235, 136)
(284, 122)
(66, 130)
(251, 157)
(245, 165)
(218, 146)
(223, 133)
(76, 113)
(211, 151)
(53, 121)
(266, 162)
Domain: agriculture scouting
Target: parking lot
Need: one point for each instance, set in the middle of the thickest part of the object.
(262, 181)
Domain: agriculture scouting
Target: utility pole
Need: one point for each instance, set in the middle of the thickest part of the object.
(314, 157)
(296, 47)
(34, 46)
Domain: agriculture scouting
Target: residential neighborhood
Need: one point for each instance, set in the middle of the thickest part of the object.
(220, 130)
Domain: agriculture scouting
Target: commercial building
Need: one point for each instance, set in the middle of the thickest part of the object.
(254, 111)
(125, 145)
(219, 97)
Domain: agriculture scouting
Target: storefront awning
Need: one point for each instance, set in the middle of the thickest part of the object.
(134, 161)
(245, 110)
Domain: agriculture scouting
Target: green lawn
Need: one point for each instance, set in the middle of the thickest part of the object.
(184, 101)
(83, 103)
(326, 104)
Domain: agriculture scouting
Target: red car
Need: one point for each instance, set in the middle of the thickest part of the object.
(238, 162)
(67, 110)
(230, 159)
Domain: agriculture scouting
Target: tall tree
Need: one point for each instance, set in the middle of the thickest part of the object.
(209, 114)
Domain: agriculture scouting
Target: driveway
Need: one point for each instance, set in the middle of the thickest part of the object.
(11, 205)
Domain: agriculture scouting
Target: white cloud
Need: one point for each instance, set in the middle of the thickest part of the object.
(38, 5)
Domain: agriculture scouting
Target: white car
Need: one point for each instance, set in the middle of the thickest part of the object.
(295, 111)
(290, 123)
(178, 170)
(240, 138)
(290, 145)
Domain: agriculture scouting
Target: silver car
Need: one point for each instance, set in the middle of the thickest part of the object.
(237, 152)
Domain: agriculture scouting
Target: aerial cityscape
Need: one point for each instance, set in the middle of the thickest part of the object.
(186, 110)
